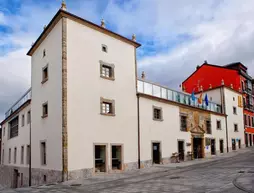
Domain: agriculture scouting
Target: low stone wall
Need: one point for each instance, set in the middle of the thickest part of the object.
(38, 176)
(79, 174)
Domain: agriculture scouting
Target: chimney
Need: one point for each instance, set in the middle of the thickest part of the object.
(205, 62)
(134, 37)
(63, 7)
(45, 26)
(103, 23)
(197, 67)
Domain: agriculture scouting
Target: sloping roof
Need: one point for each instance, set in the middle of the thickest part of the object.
(61, 13)
(206, 64)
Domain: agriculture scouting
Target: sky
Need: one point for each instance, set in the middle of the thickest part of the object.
(176, 36)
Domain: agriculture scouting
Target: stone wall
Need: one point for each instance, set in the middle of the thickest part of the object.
(38, 176)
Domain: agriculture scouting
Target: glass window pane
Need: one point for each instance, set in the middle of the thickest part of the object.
(148, 88)
(156, 91)
(140, 87)
(164, 93)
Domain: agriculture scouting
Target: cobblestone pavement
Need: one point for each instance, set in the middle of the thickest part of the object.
(231, 173)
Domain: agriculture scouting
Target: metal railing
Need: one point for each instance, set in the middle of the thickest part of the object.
(175, 96)
(19, 103)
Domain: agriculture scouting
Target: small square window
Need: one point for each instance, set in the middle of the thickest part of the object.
(104, 48)
(236, 127)
(107, 71)
(44, 74)
(235, 110)
(44, 53)
(44, 110)
(218, 123)
(107, 107)
(157, 113)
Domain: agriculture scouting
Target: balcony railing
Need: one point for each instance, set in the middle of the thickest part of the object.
(175, 96)
(19, 103)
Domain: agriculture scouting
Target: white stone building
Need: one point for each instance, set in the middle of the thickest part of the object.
(87, 112)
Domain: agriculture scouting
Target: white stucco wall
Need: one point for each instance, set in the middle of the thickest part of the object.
(86, 125)
(167, 131)
(21, 140)
(217, 134)
(232, 118)
(48, 129)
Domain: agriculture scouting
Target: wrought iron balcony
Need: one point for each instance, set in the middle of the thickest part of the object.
(175, 96)
(19, 103)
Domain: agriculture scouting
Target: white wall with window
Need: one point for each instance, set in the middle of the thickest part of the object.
(15, 137)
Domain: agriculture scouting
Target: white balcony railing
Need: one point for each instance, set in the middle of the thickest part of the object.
(19, 103)
(175, 96)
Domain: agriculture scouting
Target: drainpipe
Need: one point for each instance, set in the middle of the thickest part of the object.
(30, 152)
(138, 132)
(224, 111)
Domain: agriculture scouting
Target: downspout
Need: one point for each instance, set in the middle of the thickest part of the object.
(139, 164)
(30, 150)
(224, 111)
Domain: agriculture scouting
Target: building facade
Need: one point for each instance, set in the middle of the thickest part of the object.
(88, 113)
(234, 76)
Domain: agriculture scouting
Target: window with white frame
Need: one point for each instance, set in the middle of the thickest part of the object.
(43, 153)
(157, 113)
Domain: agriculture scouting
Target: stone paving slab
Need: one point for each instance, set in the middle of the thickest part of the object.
(246, 181)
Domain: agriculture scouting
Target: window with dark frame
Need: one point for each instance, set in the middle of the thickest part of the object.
(14, 127)
(3, 157)
(23, 121)
(157, 114)
(235, 127)
(22, 155)
(44, 110)
(44, 74)
(15, 155)
(183, 122)
(208, 127)
(43, 153)
(245, 120)
(104, 48)
(28, 117)
(218, 123)
(252, 121)
(9, 155)
(249, 121)
(235, 110)
(27, 154)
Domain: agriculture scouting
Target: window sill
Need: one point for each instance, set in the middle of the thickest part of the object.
(45, 80)
(44, 116)
(158, 119)
(108, 114)
(108, 78)
(184, 130)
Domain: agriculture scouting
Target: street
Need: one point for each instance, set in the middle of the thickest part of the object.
(221, 175)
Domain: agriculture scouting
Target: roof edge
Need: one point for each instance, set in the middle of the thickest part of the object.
(62, 13)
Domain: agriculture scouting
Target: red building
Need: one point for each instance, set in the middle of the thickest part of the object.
(233, 75)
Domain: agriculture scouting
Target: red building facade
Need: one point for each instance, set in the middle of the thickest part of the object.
(233, 75)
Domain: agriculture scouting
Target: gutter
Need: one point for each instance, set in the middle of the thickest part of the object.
(139, 164)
